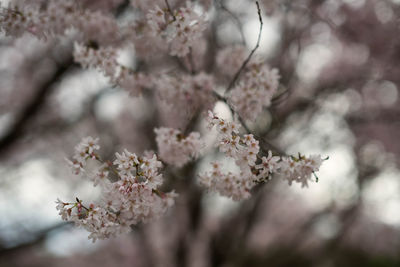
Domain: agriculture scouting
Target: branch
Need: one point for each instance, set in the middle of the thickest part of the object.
(32, 108)
(237, 21)
(251, 53)
(191, 62)
(262, 140)
(121, 8)
(170, 10)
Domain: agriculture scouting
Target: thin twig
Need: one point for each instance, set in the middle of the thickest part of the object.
(232, 83)
(262, 140)
(238, 22)
(191, 62)
(281, 97)
(170, 10)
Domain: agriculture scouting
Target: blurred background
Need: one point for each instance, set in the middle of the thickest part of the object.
(339, 61)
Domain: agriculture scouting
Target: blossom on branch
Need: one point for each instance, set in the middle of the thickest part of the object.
(180, 29)
(84, 151)
(254, 90)
(253, 168)
(132, 199)
(299, 169)
(235, 186)
(55, 18)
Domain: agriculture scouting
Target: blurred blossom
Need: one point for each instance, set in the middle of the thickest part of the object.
(213, 144)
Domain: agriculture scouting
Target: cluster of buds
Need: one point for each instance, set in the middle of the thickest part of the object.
(104, 59)
(243, 150)
(83, 151)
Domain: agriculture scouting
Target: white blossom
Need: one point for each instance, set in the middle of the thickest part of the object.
(180, 29)
(103, 59)
(132, 199)
(235, 186)
(254, 90)
(268, 166)
(253, 168)
(299, 169)
(243, 150)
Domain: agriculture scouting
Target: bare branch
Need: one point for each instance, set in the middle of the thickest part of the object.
(33, 107)
(232, 83)
(237, 21)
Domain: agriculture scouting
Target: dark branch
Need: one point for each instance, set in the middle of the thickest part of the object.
(170, 10)
(33, 107)
(232, 83)
(236, 20)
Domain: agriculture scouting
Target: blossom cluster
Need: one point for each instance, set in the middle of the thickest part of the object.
(55, 17)
(243, 150)
(18, 20)
(192, 91)
(97, 220)
(255, 90)
(132, 199)
(104, 59)
(83, 151)
(227, 184)
(186, 91)
(98, 36)
(180, 29)
(175, 148)
(253, 168)
(299, 169)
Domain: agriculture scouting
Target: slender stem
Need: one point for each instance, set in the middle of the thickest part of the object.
(237, 21)
(170, 10)
(222, 98)
(110, 166)
(191, 62)
(80, 202)
(232, 83)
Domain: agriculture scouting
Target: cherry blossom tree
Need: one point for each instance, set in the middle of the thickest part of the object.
(213, 114)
